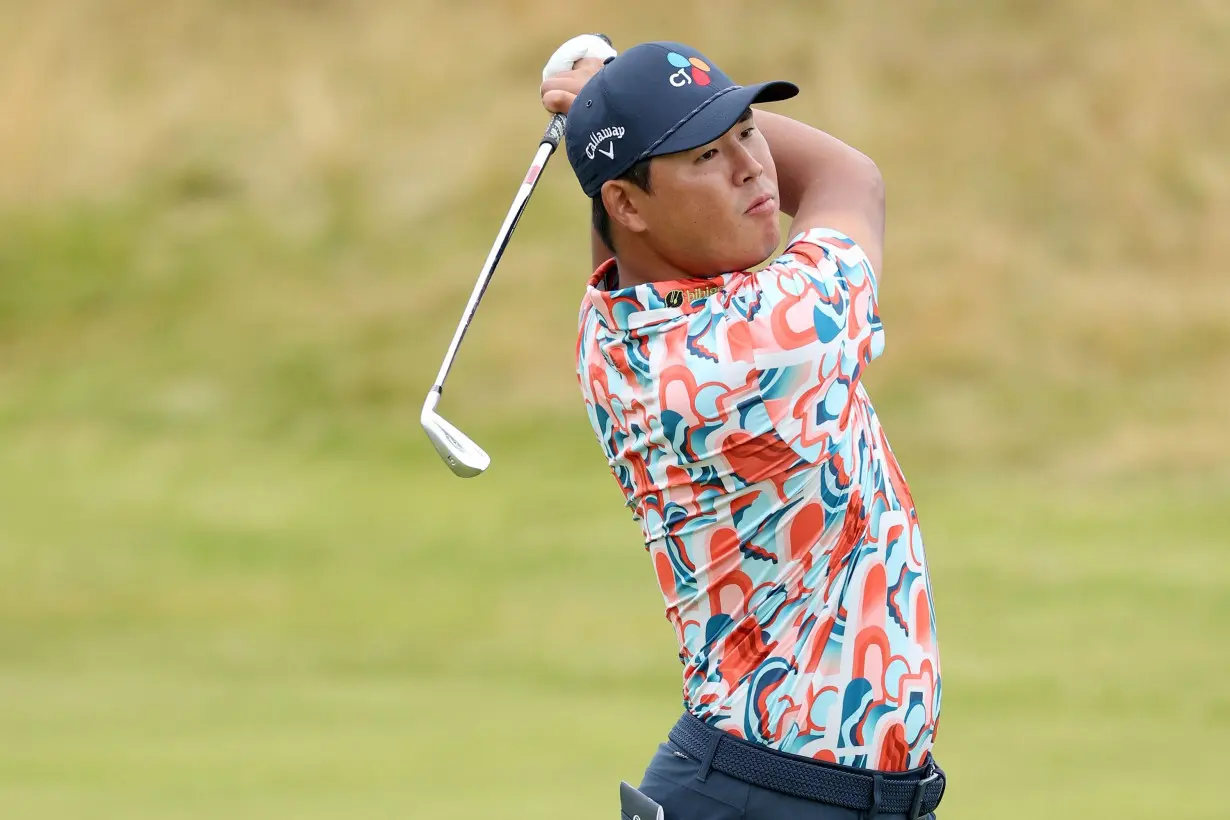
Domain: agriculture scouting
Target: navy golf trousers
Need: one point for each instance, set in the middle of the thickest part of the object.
(701, 773)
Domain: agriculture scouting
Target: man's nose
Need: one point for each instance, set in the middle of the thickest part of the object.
(748, 168)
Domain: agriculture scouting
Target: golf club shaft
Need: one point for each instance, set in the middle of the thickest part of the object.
(550, 141)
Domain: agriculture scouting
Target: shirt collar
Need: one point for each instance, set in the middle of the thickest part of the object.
(649, 303)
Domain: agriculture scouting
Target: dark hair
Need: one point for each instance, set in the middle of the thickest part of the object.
(638, 175)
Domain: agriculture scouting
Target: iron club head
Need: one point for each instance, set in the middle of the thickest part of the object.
(463, 456)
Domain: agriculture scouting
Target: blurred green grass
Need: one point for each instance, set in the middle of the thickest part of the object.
(236, 581)
(209, 629)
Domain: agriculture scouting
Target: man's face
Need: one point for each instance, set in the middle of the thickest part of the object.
(707, 212)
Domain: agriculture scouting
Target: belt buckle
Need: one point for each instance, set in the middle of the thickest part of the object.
(920, 791)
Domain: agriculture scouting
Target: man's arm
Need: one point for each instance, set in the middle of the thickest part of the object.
(824, 183)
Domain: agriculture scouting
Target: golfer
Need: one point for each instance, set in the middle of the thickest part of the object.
(727, 397)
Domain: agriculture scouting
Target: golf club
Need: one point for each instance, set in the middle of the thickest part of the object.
(460, 453)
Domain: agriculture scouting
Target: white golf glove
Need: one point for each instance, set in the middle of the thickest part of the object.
(578, 48)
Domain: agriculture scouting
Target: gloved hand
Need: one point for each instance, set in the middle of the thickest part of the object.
(570, 67)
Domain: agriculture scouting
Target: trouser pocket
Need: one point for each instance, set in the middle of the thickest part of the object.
(671, 781)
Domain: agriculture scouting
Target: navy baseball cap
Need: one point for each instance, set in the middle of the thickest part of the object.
(656, 98)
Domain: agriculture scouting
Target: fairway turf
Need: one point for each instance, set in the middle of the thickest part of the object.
(252, 633)
(235, 579)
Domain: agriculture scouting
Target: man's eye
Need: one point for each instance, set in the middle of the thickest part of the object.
(747, 132)
(710, 154)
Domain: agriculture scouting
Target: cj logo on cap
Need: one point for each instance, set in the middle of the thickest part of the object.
(691, 70)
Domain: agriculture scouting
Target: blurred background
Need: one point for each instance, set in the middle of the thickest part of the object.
(235, 238)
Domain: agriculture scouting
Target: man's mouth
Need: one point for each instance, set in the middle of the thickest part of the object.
(762, 204)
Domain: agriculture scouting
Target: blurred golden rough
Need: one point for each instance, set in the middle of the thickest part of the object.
(1058, 175)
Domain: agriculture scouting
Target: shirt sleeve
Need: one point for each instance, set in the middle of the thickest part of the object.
(813, 324)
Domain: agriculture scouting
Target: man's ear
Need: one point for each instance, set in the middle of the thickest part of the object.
(623, 201)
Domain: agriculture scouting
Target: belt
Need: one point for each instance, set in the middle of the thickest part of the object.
(917, 792)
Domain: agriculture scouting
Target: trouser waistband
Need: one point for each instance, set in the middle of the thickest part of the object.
(916, 792)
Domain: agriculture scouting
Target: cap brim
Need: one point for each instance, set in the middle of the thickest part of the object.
(720, 115)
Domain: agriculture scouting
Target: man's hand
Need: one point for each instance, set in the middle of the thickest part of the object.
(559, 91)
(570, 67)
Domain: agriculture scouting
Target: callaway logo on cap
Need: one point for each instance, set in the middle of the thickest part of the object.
(596, 139)
(656, 98)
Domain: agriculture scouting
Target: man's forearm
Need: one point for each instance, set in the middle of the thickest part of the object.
(809, 159)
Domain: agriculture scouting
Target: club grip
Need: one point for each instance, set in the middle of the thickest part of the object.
(555, 131)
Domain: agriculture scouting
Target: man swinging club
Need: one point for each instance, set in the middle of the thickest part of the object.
(729, 404)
